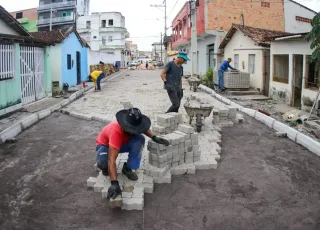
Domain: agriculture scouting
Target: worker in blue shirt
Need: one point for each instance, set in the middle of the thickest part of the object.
(224, 67)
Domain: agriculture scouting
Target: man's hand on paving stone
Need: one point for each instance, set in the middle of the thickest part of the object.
(114, 190)
(160, 140)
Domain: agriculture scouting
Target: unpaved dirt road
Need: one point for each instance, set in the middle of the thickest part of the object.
(262, 182)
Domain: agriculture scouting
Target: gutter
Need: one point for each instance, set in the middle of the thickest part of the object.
(289, 37)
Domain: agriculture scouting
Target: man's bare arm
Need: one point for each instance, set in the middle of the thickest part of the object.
(112, 166)
(149, 133)
(164, 75)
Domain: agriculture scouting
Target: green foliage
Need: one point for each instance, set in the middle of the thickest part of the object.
(207, 79)
(314, 37)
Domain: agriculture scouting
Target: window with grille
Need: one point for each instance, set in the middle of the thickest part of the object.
(312, 74)
(252, 61)
(103, 23)
(69, 61)
(88, 24)
(110, 22)
(110, 39)
(281, 68)
(19, 15)
(236, 61)
(7, 64)
(104, 40)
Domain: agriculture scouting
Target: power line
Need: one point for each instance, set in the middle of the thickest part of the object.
(173, 7)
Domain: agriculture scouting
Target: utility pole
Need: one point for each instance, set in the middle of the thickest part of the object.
(161, 47)
(194, 47)
(50, 16)
(165, 28)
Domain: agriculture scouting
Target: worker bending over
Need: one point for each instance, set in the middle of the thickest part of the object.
(96, 77)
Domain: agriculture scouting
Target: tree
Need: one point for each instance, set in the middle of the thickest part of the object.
(314, 37)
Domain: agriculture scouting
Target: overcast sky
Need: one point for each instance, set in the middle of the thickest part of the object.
(143, 22)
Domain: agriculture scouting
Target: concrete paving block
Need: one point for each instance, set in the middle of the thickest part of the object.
(181, 151)
(309, 143)
(163, 158)
(224, 124)
(44, 113)
(99, 186)
(267, 120)
(163, 118)
(194, 136)
(202, 165)
(196, 158)
(179, 170)
(91, 182)
(223, 112)
(189, 154)
(215, 111)
(148, 188)
(232, 112)
(181, 161)
(239, 118)
(188, 160)
(152, 144)
(191, 169)
(194, 142)
(188, 143)
(29, 121)
(174, 164)
(154, 157)
(196, 153)
(280, 127)
(176, 158)
(186, 129)
(126, 194)
(188, 149)
(10, 132)
(166, 179)
(170, 155)
(116, 202)
(181, 145)
(138, 192)
(155, 163)
(133, 204)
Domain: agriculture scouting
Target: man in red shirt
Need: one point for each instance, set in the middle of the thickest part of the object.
(123, 135)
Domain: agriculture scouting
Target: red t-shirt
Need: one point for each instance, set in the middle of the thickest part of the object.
(113, 135)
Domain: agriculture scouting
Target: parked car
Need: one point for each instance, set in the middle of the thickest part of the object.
(159, 63)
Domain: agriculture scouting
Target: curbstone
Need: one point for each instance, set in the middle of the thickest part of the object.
(29, 121)
(44, 113)
(65, 102)
(10, 132)
(280, 127)
(264, 119)
(309, 143)
(249, 112)
(81, 116)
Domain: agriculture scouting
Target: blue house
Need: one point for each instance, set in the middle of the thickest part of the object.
(69, 56)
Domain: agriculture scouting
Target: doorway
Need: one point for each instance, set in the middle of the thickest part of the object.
(266, 72)
(78, 68)
(297, 80)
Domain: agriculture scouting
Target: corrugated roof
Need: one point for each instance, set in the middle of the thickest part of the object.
(22, 39)
(12, 22)
(261, 37)
(57, 36)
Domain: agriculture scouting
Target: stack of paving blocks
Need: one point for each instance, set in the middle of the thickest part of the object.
(132, 191)
(224, 116)
(167, 123)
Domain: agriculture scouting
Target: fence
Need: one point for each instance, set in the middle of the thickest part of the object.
(7, 61)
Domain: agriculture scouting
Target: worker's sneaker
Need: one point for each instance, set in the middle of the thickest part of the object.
(128, 172)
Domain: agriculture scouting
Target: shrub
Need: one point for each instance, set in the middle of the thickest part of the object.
(207, 79)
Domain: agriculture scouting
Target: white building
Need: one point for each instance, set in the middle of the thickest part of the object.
(249, 49)
(293, 76)
(297, 17)
(106, 33)
(158, 51)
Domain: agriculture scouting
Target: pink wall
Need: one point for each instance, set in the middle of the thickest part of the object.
(181, 31)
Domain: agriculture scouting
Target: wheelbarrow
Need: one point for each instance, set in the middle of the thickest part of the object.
(198, 110)
(194, 83)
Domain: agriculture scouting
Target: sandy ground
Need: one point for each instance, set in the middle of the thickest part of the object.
(262, 182)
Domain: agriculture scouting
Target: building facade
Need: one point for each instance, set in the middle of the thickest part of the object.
(158, 51)
(105, 32)
(215, 18)
(294, 78)
(27, 18)
(60, 13)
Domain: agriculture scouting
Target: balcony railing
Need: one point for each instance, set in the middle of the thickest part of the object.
(107, 47)
(57, 5)
(56, 20)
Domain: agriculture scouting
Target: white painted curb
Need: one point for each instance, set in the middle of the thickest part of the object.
(294, 135)
(21, 125)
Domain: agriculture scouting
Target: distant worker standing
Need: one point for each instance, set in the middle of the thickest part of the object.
(147, 65)
(96, 77)
(224, 67)
(172, 78)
